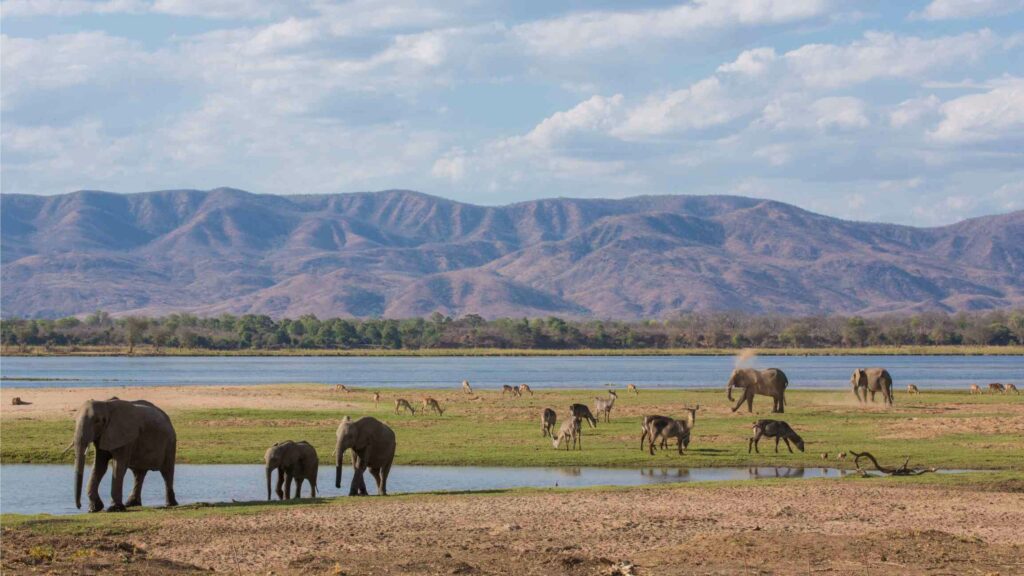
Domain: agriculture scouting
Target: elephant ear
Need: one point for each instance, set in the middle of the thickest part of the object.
(123, 427)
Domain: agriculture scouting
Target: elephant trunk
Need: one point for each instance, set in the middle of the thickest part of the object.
(728, 389)
(270, 471)
(81, 443)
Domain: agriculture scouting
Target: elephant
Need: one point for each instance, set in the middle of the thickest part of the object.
(872, 380)
(136, 435)
(770, 382)
(373, 446)
(296, 461)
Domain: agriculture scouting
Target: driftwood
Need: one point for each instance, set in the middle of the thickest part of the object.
(903, 470)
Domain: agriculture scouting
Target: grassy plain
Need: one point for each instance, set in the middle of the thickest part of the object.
(236, 424)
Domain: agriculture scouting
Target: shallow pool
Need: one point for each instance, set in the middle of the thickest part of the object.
(49, 488)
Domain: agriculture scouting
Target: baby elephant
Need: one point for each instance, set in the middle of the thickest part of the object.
(547, 422)
(774, 429)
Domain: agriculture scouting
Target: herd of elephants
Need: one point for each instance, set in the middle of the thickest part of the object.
(138, 436)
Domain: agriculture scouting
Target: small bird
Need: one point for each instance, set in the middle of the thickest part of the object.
(824, 455)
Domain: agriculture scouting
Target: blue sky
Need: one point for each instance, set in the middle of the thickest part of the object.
(908, 112)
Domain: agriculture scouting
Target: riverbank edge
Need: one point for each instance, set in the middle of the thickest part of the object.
(145, 351)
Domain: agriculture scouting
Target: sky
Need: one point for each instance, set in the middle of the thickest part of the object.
(909, 112)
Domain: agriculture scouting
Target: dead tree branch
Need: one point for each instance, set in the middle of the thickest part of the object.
(903, 470)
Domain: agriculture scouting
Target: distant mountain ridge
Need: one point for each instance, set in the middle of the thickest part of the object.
(400, 253)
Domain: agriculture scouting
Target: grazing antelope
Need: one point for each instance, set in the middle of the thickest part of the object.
(431, 404)
(651, 427)
(509, 389)
(403, 403)
(912, 389)
(571, 433)
(975, 389)
(525, 388)
(1011, 388)
(996, 387)
(603, 406)
(466, 387)
(581, 412)
(341, 388)
(632, 388)
(669, 428)
(547, 422)
(774, 429)
(376, 399)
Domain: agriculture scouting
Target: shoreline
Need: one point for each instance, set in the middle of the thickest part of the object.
(150, 352)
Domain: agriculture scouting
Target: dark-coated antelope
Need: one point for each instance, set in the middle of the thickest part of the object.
(581, 412)
(774, 429)
(547, 422)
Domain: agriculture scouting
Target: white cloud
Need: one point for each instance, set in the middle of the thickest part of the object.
(451, 166)
(993, 115)
(16, 8)
(704, 104)
(794, 112)
(957, 9)
(591, 31)
(914, 110)
(595, 115)
(241, 9)
(750, 62)
(885, 55)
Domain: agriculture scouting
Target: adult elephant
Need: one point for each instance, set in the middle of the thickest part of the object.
(373, 446)
(770, 382)
(296, 461)
(136, 435)
(872, 380)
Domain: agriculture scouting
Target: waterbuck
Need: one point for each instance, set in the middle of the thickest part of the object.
(570, 432)
(581, 412)
(774, 429)
(603, 406)
(547, 422)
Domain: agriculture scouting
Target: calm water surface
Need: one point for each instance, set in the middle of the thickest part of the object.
(49, 488)
(932, 372)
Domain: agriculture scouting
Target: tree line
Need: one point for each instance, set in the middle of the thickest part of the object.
(696, 330)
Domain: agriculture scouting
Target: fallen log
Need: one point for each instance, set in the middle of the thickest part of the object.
(903, 470)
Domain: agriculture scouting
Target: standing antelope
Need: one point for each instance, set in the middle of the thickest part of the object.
(525, 388)
(996, 387)
(912, 389)
(466, 387)
(505, 388)
(403, 403)
(975, 389)
(376, 399)
(547, 422)
(603, 406)
(581, 412)
(431, 404)
(570, 432)
(632, 388)
(1011, 388)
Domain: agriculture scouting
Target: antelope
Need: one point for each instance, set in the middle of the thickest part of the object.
(613, 394)
(431, 404)
(403, 403)
(1011, 388)
(466, 387)
(505, 388)
(571, 433)
(581, 412)
(652, 426)
(547, 422)
(525, 388)
(669, 428)
(341, 388)
(912, 389)
(996, 387)
(774, 429)
(376, 398)
(975, 389)
(604, 406)
(632, 388)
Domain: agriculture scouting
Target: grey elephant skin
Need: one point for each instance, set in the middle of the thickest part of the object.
(136, 436)
(872, 380)
(769, 382)
(373, 446)
(294, 461)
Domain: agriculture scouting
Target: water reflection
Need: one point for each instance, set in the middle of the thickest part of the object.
(665, 472)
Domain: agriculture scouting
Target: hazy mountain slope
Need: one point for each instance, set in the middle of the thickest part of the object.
(401, 253)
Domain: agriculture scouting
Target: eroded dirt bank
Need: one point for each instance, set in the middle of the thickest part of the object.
(799, 527)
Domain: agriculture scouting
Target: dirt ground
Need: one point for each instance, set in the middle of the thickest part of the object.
(826, 527)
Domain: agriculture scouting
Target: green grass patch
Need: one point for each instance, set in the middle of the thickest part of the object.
(941, 429)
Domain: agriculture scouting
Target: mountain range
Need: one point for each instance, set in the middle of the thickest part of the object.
(400, 253)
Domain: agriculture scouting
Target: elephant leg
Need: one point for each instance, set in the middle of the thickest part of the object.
(779, 405)
(384, 479)
(357, 478)
(750, 402)
(856, 392)
(117, 483)
(298, 487)
(167, 472)
(280, 484)
(99, 469)
(375, 472)
(135, 499)
(872, 396)
(287, 486)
